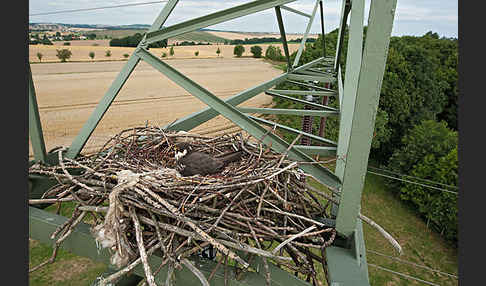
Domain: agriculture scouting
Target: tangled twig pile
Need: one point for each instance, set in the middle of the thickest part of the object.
(257, 205)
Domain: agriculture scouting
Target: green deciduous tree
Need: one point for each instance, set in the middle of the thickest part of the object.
(91, 55)
(40, 55)
(256, 51)
(238, 50)
(63, 54)
(274, 53)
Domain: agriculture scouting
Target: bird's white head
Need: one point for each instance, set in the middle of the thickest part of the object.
(181, 150)
(179, 154)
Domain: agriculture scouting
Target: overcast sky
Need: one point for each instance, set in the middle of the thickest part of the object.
(413, 17)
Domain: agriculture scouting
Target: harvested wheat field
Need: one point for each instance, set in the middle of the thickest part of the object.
(81, 52)
(67, 93)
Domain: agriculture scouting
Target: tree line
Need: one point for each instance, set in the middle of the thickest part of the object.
(416, 121)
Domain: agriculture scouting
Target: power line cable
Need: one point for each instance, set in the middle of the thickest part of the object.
(403, 275)
(407, 181)
(97, 8)
(411, 263)
(425, 185)
(426, 180)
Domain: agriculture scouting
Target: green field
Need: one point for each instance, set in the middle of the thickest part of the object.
(420, 246)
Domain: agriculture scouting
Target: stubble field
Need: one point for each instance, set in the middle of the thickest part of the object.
(67, 94)
(80, 51)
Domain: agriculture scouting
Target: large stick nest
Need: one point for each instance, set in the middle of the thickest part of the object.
(259, 206)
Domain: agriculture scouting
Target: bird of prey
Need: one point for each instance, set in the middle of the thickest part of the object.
(191, 162)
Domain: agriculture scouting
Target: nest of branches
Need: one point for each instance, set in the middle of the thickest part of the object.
(258, 206)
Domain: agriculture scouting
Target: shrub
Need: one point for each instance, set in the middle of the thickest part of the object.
(126, 55)
(91, 55)
(238, 50)
(218, 51)
(171, 51)
(196, 53)
(67, 43)
(108, 53)
(39, 55)
(164, 55)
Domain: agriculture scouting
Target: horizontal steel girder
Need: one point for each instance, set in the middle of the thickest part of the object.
(212, 19)
(317, 105)
(322, 174)
(304, 92)
(299, 112)
(310, 85)
(295, 131)
(319, 78)
(322, 151)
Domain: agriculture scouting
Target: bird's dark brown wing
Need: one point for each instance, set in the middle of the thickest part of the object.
(199, 163)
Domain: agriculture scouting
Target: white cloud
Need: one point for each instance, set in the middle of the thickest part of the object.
(412, 17)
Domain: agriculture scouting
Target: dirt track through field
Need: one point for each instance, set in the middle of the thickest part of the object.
(67, 94)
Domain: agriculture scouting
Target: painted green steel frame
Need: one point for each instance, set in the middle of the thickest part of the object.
(295, 131)
(304, 92)
(212, 19)
(353, 66)
(320, 78)
(323, 151)
(35, 126)
(114, 89)
(322, 174)
(380, 23)
(306, 34)
(195, 119)
(317, 105)
(282, 35)
(295, 11)
(299, 112)
(345, 8)
(364, 73)
(321, 10)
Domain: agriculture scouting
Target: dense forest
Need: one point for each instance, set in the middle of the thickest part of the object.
(132, 41)
(416, 123)
(264, 40)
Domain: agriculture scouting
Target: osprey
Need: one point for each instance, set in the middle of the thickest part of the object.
(190, 162)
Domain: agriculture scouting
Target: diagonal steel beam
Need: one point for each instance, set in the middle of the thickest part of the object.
(295, 11)
(322, 28)
(320, 78)
(212, 19)
(345, 8)
(322, 174)
(304, 39)
(100, 110)
(282, 35)
(197, 118)
(35, 126)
